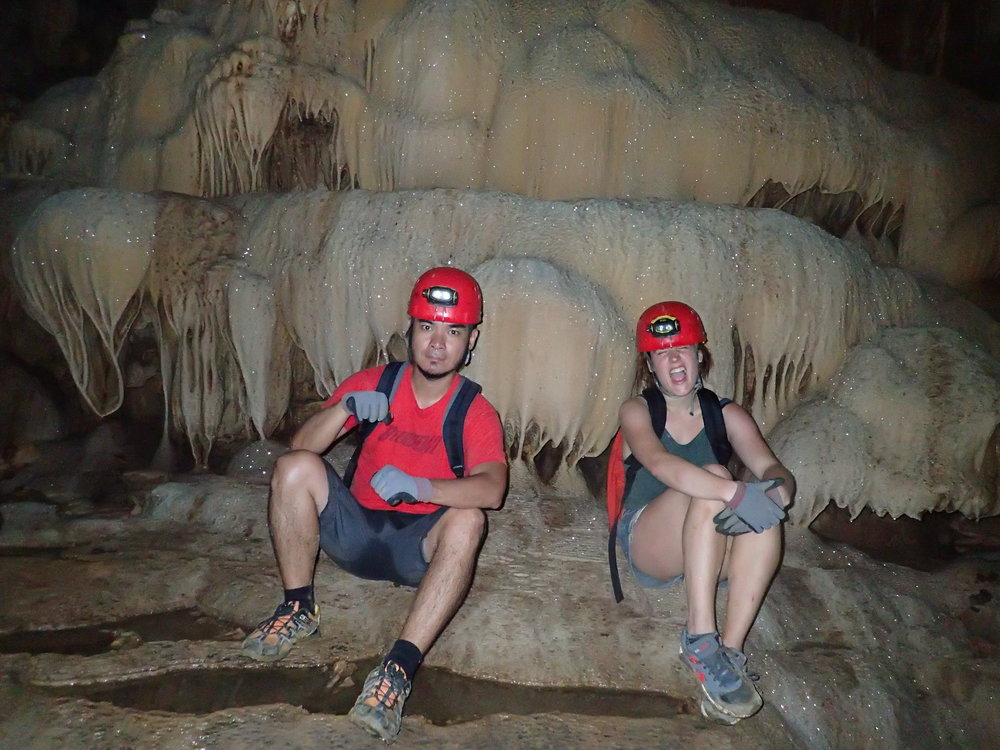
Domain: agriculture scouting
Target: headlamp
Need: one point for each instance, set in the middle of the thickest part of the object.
(664, 326)
(441, 296)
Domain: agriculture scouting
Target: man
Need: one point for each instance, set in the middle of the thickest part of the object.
(407, 517)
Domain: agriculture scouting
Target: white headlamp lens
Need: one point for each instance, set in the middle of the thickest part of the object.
(665, 325)
(441, 296)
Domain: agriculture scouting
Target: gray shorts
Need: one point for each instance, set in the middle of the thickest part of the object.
(625, 526)
(383, 545)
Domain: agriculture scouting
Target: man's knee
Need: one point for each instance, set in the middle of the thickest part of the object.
(298, 469)
(294, 466)
(464, 526)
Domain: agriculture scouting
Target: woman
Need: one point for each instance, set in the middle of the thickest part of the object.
(684, 517)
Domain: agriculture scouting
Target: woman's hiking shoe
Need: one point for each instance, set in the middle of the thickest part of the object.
(379, 708)
(727, 688)
(713, 714)
(275, 636)
(709, 711)
(740, 661)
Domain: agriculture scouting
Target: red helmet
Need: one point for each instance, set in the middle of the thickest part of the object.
(668, 324)
(447, 294)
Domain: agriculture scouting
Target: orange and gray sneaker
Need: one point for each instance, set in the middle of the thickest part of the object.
(275, 636)
(739, 660)
(727, 689)
(379, 708)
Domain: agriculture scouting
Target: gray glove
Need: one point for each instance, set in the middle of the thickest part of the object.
(751, 507)
(727, 522)
(396, 486)
(367, 406)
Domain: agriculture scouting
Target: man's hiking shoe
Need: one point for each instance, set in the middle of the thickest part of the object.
(275, 636)
(379, 708)
(726, 687)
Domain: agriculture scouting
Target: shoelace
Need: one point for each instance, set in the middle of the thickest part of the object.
(715, 665)
(740, 661)
(280, 623)
(386, 691)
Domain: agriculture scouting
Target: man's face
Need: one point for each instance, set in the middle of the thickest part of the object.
(438, 349)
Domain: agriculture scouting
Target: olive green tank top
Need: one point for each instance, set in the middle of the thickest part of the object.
(646, 487)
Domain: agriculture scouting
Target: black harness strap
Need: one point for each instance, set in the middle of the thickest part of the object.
(616, 580)
(452, 428)
(657, 406)
(388, 382)
(715, 424)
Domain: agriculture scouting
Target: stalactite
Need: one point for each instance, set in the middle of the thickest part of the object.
(235, 284)
(904, 430)
(561, 101)
(80, 262)
(623, 104)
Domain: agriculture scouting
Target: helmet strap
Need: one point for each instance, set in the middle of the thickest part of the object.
(698, 385)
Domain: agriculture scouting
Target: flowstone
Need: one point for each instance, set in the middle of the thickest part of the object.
(852, 653)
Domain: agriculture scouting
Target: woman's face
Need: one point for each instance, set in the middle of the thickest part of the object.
(676, 368)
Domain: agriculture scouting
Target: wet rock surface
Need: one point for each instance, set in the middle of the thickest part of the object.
(851, 652)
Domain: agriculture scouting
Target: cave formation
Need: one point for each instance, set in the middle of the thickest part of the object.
(245, 191)
(244, 107)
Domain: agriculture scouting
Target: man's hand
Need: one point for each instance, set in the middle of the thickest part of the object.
(751, 507)
(396, 486)
(367, 406)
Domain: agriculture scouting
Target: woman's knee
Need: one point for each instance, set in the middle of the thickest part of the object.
(704, 511)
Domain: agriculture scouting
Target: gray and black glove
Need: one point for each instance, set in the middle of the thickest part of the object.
(367, 406)
(752, 508)
(727, 522)
(396, 486)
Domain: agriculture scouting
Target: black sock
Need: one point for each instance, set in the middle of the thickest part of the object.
(303, 594)
(406, 655)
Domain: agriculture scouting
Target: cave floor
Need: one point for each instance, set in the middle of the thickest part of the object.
(148, 610)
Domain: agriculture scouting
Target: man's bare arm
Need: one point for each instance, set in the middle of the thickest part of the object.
(320, 431)
(483, 488)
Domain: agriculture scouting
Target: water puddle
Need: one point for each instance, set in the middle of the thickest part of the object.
(184, 624)
(439, 695)
(46, 552)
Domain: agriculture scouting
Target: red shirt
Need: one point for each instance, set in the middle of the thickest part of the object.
(413, 442)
